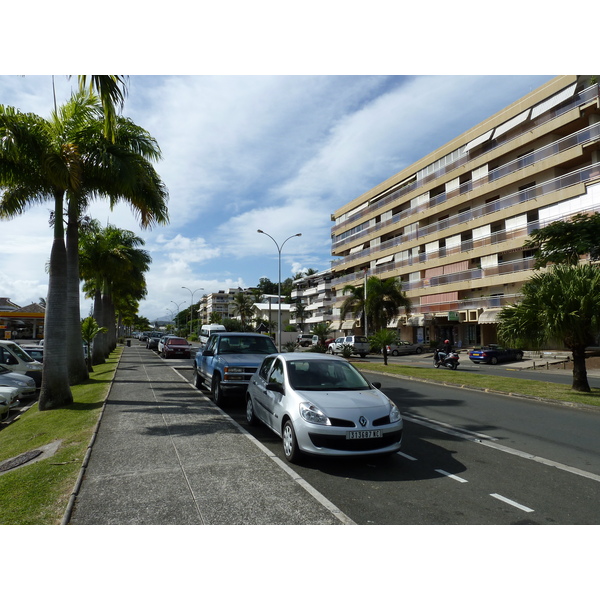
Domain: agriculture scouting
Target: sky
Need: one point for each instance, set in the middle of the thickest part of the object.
(241, 153)
(267, 119)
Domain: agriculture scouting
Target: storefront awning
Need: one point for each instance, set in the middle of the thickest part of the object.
(489, 316)
(348, 324)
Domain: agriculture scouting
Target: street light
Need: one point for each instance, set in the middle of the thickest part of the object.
(192, 303)
(279, 282)
(177, 320)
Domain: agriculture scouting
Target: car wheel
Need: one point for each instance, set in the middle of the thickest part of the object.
(395, 352)
(250, 416)
(519, 356)
(493, 360)
(216, 390)
(419, 350)
(363, 355)
(290, 444)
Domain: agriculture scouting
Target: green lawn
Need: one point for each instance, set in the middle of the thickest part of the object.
(549, 391)
(38, 493)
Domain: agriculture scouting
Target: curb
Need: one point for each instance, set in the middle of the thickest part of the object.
(69, 510)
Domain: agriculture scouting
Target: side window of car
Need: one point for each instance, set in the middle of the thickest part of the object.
(264, 369)
(210, 345)
(349, 339)
(276, 375)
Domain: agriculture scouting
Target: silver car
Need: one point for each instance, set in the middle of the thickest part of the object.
(321, 404)
(24, 383)
(404, 348)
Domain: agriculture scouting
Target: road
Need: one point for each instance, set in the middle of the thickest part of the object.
(467, 458)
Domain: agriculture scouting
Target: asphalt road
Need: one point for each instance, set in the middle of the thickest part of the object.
(467, 458)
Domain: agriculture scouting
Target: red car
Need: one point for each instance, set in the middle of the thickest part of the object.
(176, 347)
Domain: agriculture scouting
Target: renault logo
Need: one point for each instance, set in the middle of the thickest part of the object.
(363, 421)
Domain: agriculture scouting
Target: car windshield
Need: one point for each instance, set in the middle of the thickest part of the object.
(325, 375)
(21, 353)
(246, 345)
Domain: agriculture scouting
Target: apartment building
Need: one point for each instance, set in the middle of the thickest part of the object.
(451, 227)
(314, 292)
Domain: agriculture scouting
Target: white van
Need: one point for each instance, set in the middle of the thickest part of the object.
(13, 357)
(207, 330)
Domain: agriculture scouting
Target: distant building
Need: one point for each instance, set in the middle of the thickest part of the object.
(21, 322)
(451, 227)
(314, 292)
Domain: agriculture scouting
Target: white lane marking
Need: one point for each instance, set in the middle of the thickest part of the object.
(455, 477)
(447, 428)
(406, 456)
(512, 503)
(488, 441)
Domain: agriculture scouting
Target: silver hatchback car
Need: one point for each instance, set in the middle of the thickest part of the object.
(322, 404)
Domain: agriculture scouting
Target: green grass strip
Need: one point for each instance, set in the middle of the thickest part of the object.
(38, 493)
(557, 392)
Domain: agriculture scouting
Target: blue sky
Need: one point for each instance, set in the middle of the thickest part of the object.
(241, 153)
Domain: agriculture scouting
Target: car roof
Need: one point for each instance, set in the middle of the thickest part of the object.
(238, 333)
(309, 356)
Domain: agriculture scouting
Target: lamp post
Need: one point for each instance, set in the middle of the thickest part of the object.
(177, 319)
(192, 303)
(279, 282)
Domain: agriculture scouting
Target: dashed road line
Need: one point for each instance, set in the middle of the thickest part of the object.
(455, 477)
(512, 503)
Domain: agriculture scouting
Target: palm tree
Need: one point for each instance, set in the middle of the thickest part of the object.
(89, 330)
(68, 159)
(113, 267)
(243, 306)
(299, 313)
(354, 303)
(385, 298)
(382, 339)
(561, 303)
(322, 331)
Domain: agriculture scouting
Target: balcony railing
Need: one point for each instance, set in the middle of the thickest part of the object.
(579, 99)
(583, 175)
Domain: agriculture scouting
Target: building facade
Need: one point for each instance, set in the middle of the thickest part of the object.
(314, 293)
(451, 227)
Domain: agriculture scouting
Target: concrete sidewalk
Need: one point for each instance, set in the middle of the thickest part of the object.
(165, 454)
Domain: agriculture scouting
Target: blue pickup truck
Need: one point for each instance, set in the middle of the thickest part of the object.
(228, 360)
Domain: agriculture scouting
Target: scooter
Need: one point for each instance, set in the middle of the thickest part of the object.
(450, 361)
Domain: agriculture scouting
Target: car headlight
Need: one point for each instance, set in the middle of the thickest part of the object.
(309, 412)
(394, 413)
(34, 367)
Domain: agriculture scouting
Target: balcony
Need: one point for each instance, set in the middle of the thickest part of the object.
(579, 99)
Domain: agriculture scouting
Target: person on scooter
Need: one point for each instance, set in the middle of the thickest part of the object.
(446, 349)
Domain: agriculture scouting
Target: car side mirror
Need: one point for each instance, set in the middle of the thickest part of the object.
(376, 385)
(275, 387)
(208, 353)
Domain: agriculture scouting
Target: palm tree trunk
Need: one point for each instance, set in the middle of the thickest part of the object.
(78, 371)
(580, 380)
(55, 391)
(98, 352)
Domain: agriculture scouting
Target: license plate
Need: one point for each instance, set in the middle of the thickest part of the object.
(363, 435)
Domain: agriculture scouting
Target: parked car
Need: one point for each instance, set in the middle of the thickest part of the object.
(162, 340)
(228, 360)
(9, 398)
(152, 340)
(404, 348)
(25, 384)
(36, 352)
(176, 347)
(14, 358)
(305, 339)
(493, 354)
(322, 404)
(359, 342)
